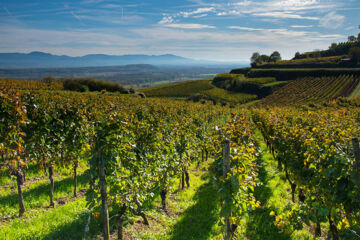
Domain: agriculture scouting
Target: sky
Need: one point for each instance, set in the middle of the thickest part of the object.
(200, 29)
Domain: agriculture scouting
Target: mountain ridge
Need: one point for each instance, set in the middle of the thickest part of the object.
(37, 59)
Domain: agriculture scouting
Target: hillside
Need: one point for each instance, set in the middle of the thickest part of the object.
(313, 90)
(311, 77)
(197, 90)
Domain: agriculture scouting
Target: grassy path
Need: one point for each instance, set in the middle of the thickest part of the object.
(193, 212)
(274, 195)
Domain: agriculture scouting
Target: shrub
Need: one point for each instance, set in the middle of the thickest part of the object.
(91, 84)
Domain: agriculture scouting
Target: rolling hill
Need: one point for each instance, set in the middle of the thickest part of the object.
(197, 90)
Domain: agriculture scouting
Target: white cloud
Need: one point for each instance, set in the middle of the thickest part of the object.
(301, 26)
(292, 9)
(201, 16)
(245, 28)
(231, 12)
(332, 20)
(284, 15)
(166, 20)
(188, 26)
(197, 11)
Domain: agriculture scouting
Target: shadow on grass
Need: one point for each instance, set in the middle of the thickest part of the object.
(32, 197)
(198, 220)
(261, 224)
(72, 230)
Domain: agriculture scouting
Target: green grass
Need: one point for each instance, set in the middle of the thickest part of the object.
(274, 195)
(36, 194)
(274, 83)
(356, 92)
(64, 222)
(234, 97)
(262, 80)
(193, 212)
(182, 89)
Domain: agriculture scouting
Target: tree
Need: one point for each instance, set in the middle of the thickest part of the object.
(263, 58)
(254, 58)
(354, 53)
(333, 46)
(352, 39)
(297, 55)
(274, 57)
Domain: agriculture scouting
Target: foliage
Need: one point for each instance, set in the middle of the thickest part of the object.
(92, 84)
(354, 53)
(31, 85)
(314, 148)
(236, 187)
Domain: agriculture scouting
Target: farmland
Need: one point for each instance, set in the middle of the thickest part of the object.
(59, 143)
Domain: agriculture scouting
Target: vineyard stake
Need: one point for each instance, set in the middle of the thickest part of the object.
(104, 204)
(355, 142)
(226, 169)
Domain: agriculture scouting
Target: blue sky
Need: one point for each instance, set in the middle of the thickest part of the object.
(200, 29)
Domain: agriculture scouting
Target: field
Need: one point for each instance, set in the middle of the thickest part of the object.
(183, 89)
(94, 165)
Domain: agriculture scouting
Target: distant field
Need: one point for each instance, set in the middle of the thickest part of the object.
(269, 84)
(262, 80)
(200, 87)
(182, 89)
(229, 96)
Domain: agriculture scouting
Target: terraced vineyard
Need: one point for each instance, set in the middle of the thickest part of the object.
(307, 90)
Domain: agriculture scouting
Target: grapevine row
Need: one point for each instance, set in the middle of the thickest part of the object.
(315, 150)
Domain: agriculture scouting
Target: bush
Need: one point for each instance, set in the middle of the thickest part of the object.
(75, 86)
(227, 80)
(355, 54)
(91, 84)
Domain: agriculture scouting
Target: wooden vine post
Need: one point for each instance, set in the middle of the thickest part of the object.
(104, 203)
(355, 142)
(51, 179)
(226, 170)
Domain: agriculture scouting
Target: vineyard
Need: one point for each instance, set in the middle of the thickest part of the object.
(321, 161)
(89, 165)
(310, 90)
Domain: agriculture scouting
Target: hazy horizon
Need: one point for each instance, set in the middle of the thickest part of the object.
(228, 31)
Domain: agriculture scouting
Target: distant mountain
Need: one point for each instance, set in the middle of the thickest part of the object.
(45, 60)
